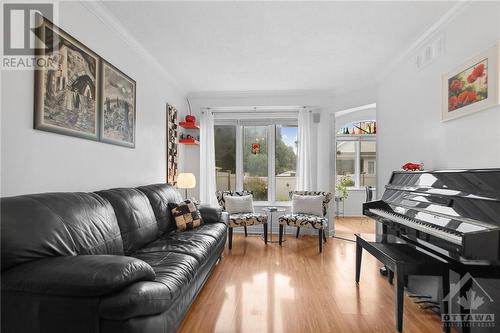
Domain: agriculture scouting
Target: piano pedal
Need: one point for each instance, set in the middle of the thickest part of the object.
(427, 302)
(419, 296)
(434, 308)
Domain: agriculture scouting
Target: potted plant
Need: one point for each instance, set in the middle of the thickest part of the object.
(342, 186)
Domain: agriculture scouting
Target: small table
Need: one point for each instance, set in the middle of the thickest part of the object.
(403, 259)
(270, 211)
(339, 200)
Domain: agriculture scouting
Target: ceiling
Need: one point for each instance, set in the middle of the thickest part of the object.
(246, 46)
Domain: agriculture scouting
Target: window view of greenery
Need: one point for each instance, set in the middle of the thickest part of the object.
(255, 161)
(368, 155)
(225, 157)
(285, 160)
(346, 155)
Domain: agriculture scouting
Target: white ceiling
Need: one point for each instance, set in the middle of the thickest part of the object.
(242, 46)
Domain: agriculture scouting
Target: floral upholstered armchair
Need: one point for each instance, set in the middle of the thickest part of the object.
(307, 218)
(242, 217)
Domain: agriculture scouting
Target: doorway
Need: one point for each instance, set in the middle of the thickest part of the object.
(355, 151)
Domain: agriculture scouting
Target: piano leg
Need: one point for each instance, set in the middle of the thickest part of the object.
(390, 275)
(445, 281)
(400, 287)
(465, 326)
(359, 253)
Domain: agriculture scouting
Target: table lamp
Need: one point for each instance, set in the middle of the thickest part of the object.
(185, 181)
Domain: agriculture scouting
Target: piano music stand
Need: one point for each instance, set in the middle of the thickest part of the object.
(403, 259)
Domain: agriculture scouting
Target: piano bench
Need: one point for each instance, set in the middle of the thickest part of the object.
(403, 259)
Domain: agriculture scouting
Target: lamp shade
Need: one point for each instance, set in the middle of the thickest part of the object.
(186, 180)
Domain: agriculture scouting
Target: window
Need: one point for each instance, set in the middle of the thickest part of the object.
(260, 158)
(285, 160)
(359, 128)
(255, 158)
(356, 154)
(368, 159)
(225, 157)
(346, 162)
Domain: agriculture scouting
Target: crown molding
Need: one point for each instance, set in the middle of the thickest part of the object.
(432, 31)
(260, 93)
(109, 20)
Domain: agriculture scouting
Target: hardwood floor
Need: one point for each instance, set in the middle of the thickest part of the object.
(346, 227)
(258, 288)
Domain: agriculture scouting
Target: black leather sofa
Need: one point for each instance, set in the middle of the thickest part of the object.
(108, 261)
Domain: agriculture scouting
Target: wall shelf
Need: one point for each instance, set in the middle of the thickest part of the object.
(188, 125)
(189, 141)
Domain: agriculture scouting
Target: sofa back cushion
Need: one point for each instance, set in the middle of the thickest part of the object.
(160, 195)
(57, 224)
(135, 217)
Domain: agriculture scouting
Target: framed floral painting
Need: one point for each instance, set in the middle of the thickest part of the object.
(473, 86)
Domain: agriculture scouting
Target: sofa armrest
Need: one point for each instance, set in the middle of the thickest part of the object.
(213, 214)
(140, 299)
(85, 275)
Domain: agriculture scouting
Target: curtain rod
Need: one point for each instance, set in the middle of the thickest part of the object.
(258, 109)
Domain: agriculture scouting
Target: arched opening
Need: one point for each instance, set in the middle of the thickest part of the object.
(355, 170)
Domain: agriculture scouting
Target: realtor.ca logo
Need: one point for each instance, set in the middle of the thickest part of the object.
(469, 296)
(19, 39)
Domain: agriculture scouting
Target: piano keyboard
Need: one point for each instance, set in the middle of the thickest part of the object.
(420, 226)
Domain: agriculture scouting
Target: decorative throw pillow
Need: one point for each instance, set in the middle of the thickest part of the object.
(239, 204)
(307, 204)
(186, 215)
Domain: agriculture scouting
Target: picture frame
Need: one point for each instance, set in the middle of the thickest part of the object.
(67, 85)
(472, 86)
(172, 145)
(117, 116)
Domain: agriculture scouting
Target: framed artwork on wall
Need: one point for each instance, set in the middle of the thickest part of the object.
(473, 86)
(67, 85)
(172, 145)
(118, 114)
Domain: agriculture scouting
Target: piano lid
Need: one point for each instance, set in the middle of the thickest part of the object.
(472, 195)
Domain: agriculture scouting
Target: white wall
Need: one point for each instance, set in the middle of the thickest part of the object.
(36, 161)
(409, 104)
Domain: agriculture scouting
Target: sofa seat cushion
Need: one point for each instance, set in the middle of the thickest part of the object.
(174, 270)
(215, 230)
(246, 219)
(199, 243)
(196, 249)
(304, 221)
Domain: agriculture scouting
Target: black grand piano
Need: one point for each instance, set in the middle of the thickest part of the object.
(453, 215)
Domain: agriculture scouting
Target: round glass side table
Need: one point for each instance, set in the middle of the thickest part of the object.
(273, 212)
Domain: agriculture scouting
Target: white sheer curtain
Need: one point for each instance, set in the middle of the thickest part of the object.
(304, 180)
(207, 159)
